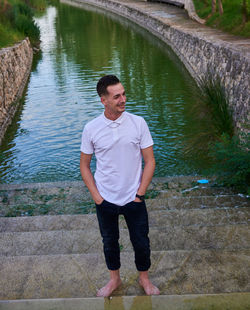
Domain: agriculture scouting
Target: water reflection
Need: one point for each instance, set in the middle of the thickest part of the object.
(78, 47)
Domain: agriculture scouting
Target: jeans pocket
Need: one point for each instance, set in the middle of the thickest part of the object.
(137, 203)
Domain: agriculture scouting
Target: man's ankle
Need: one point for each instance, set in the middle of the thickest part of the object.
(115, 275)
(143, 275)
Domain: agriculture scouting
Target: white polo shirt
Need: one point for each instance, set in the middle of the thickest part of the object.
(117, 146)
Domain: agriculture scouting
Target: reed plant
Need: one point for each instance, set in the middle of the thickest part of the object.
(214, 97)
(227, 150)
(211, 113)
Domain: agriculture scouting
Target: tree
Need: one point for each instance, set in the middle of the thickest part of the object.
(214, 7)
(220, 7)
(244, 12)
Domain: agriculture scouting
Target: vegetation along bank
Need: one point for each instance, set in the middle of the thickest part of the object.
(19, 35)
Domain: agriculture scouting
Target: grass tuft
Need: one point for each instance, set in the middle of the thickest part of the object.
(9, 36)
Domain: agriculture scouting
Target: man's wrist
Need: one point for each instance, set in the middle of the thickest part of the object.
(97, 198)
(141, 197)
(141, 192)
(99, 201)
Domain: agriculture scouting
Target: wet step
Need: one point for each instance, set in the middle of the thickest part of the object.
(68, 192)
(44, 195)
(158, 218)
(80, 194)
(86, 207)
(80, 275)
(157, 183)
(229, 237)
(239, 301)
(54, 208)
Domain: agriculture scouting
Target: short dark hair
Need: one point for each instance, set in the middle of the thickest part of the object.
(104, 82)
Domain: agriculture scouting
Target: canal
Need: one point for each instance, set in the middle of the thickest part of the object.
(78, 46)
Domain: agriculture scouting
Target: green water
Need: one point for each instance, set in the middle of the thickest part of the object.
(78, 46)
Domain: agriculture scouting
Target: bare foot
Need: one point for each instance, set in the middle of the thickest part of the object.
(148, 287)
(107, 290)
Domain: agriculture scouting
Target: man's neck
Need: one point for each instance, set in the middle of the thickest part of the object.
(112, 117)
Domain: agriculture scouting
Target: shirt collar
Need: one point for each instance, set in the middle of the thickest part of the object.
(114, 123)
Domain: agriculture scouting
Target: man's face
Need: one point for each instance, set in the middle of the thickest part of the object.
(115, 101)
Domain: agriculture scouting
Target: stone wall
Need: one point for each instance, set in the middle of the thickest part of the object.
(15, 66)
(201, 56)
(201, 49)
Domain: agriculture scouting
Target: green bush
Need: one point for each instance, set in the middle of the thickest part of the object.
(17, 16)
(231, 162)
(22, 9)
(22, 20)
(27, 26)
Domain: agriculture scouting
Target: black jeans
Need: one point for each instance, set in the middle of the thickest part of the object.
(136, 216)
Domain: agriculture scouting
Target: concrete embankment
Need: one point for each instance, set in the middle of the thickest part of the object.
(199, 240)
(15, 66)
(201, 49)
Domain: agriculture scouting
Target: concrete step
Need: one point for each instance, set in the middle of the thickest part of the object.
(205, 217)
(78, 276)
(229, 237)
(198, 202)
(86, 207)
(233, 301)
(197, 190)
(158, 218)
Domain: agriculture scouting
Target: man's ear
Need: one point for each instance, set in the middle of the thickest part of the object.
(103, 100)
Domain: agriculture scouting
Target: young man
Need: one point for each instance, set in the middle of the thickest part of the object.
(119, 140)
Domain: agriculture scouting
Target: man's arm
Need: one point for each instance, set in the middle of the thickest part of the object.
(148, 171)
(88, 178)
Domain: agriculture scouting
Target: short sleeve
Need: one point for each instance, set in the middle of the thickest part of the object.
(146, 138)
(86, 145)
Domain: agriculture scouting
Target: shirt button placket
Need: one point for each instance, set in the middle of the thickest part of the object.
(115, 131)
